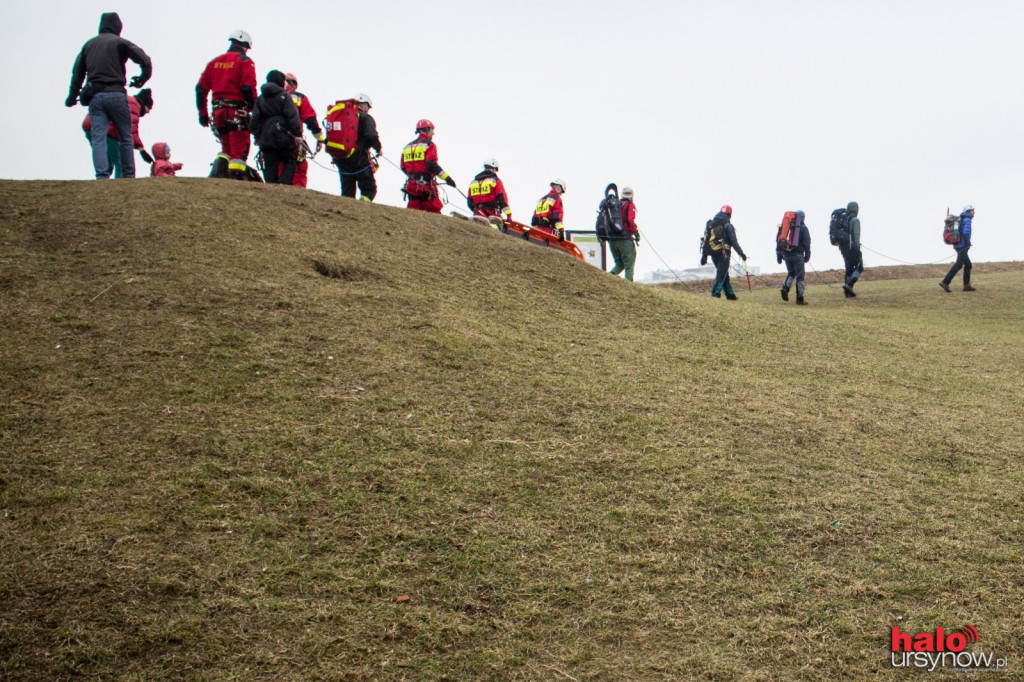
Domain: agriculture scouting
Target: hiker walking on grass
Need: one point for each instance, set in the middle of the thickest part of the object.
(849, 247)
(962, 247)
(793, 245)
(719, 241)
(624, 248)
(100, 65)
(276, 126)
(419, 163)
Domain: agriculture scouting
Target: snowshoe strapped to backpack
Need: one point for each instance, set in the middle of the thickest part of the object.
(951, 230)
(839, 227)
(788, 236)
(342, 126)
(609, 215)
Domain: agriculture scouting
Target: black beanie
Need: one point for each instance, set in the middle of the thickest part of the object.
(276, 77)
(145, 98)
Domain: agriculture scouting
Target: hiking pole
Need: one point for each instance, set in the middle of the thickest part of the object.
(747, 270)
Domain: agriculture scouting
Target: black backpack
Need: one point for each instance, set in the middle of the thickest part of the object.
(714, 236)
(609, 215)
(839, 227)
(274, 135)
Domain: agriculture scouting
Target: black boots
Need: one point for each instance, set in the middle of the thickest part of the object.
(945, 286)
(800, 300)
(785, 293)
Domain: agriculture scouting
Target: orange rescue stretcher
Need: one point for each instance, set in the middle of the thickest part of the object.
(539, 237)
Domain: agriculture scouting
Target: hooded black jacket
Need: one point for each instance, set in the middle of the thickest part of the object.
(274, 102)
(102, 60)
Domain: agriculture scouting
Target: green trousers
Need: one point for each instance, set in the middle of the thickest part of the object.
(624, 253)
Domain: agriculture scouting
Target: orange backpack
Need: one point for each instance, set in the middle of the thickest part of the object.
(789, 232)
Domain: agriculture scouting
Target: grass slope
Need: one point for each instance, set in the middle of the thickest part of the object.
(252, 432)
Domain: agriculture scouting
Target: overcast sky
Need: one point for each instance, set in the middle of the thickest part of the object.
(906, 106)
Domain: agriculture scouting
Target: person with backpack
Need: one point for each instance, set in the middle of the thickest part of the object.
(623, 247)
(487, 193)
(231, 80)
(793, 245)
(358, 170)
(276, 126)
(419, 163)
(962, 247)
(308, 116)
(547, 217)
(718, 243)
(844, 232)
(101, 66)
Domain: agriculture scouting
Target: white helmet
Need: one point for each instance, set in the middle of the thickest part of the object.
(363, 98)
(491, 163)
(967, 208)
(560, 182)
(627, 192)
(241, 36)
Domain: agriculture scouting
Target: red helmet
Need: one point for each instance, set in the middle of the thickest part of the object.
(727, 210)
(291, 80)
(424, 124)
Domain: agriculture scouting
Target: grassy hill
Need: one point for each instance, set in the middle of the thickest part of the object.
(253, 432)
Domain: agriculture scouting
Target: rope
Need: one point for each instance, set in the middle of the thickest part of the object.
(906, 262)
(658, 255)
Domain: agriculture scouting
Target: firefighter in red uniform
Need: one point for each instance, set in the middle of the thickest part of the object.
(231, 79)
(548, 216)
(419, 163)
(308, 116)
(487, 193)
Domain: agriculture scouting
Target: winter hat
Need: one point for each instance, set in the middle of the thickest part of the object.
(162, 150)
(145, 98)
(852, 207)
(276, 77)
(627, 192)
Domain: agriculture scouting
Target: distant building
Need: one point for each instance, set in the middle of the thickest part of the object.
(688, 274)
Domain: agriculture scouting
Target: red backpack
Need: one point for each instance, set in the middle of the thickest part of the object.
(342, 126)
(789, 232)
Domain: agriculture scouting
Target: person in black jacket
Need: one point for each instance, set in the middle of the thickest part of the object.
(100, 64)
(795, 250)
(276, 126)
(358, 169)
(719, 241)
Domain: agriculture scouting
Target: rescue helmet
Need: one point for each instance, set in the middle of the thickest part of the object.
(727, 210)
(967, 208)
(627, 192)
(560, 182)
(424, 124)
(291, 80)
(241, 36)
(363, 98)
(491, 163)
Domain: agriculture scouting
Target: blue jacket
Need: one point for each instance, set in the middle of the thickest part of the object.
(965, 232)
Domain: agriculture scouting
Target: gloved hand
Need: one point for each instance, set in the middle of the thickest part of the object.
(204, 120)
(807, 259)
(778, 258)
(450, 180)
(703, 261)
(71, 101)
(744, 258)
(136, 82)
(319, 146)
(560, 233)
(145, 156)
(636, 239)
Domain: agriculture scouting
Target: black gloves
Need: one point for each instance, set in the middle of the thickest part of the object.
(778, 258)
(450, 180)
(136, 82)
(71, 101)
(204, 120)
(145, 156)
(703, 260)
(636, 239)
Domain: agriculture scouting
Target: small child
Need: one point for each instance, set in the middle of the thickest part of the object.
(162, 165)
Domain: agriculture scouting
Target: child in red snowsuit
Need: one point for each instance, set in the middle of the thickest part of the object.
(162, 165)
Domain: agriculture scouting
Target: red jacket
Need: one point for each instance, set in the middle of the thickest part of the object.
(419, 159)
(629, 216)
(162, 166)
(231, 77)
(549, 211)
(136, 109)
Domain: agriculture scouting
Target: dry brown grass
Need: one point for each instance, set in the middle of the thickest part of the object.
(242, 423)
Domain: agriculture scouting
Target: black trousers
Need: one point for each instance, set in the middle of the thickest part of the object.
(962, 261)
(357, 171)
(854, 261)
(272, 159)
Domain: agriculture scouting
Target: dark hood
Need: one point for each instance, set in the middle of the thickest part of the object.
(269, 90)
(852, 207)
(721, 218)
(110, 23)
(276, 77)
